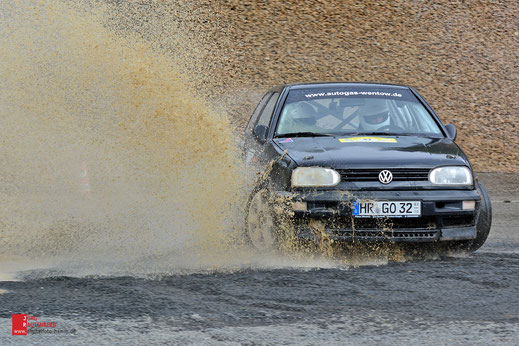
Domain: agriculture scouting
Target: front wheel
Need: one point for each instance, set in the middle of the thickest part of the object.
(260, 223)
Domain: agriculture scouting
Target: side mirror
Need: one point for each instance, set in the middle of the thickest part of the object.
(451, 131)
(260, 132)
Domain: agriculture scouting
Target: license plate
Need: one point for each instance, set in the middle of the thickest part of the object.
(387, 208)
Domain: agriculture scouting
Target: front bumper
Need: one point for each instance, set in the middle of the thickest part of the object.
(442, 216)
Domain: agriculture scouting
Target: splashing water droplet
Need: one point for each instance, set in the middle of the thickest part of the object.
(162, 169)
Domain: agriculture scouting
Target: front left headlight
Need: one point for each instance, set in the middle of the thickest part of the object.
(451, 175)
(314, 177)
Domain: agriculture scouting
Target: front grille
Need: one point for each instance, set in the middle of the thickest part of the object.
(399, 174)
(425, 222)
(396, 235)
(348, 222)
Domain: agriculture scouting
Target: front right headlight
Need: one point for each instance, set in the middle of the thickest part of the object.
(451, 175)
(314, 177)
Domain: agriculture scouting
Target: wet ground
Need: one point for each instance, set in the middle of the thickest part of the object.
(462, 299)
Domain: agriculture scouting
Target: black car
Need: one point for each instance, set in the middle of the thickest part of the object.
(359, 162)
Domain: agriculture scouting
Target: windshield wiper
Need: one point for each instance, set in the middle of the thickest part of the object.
(306, 134)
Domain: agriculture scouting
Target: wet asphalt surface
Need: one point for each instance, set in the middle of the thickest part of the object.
(462, 299)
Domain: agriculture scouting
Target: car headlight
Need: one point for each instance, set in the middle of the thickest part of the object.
(314, 176)
(451, 175)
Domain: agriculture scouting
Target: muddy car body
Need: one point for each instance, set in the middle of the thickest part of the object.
(370, 162)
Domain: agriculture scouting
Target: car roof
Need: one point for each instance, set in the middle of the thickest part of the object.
(306, 85)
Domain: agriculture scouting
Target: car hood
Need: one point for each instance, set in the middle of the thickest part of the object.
(372, 152)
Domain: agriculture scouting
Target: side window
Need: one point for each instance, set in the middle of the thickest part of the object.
(266, 113)
(254, 118)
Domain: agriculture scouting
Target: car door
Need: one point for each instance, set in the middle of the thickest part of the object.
(255, 146)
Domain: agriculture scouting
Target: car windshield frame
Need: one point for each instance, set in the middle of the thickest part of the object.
(397, 98)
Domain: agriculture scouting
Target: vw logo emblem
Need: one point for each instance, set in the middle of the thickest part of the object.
(385, 176)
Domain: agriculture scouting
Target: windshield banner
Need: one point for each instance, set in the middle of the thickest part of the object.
(315, 93)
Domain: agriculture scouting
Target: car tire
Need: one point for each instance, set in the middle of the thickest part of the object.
(260, 222)
(483, 223)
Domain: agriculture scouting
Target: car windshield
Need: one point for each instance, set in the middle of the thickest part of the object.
(355, 110)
